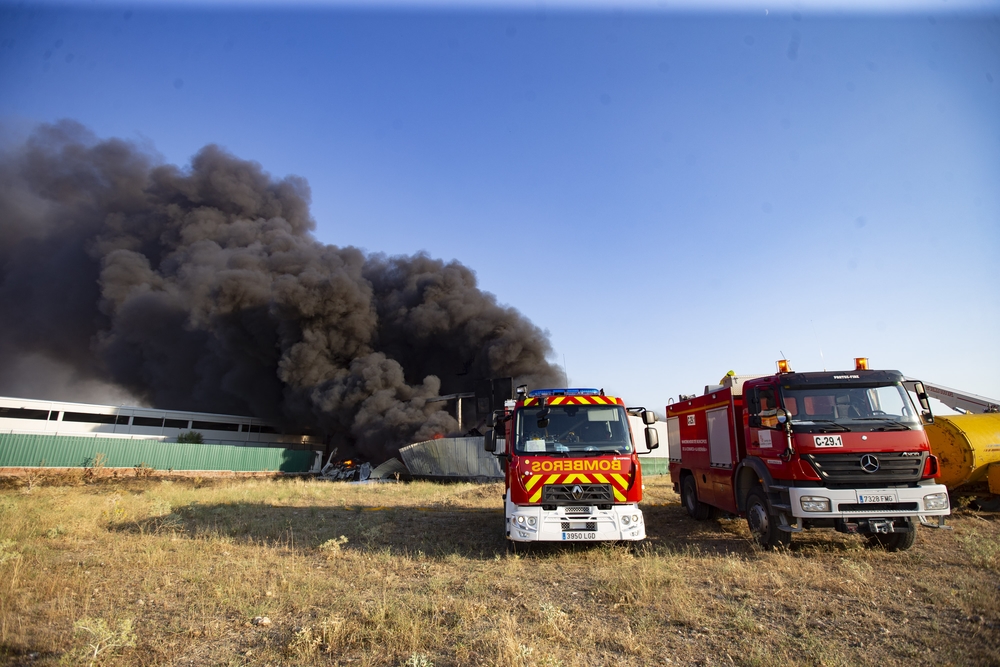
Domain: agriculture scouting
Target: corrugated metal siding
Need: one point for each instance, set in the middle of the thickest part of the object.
(20, 449)
(451, 457)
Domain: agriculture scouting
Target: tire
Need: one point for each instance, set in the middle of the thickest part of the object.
(762, 524)
(689, 496)
(891, 541)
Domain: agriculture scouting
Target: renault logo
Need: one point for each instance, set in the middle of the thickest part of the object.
(869, 463)
(577, 491)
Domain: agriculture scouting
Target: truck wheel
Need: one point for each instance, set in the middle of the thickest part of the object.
(891, 541)
(762, 524)
(689, 496)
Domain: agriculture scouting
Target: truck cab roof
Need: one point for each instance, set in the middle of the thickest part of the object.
(835, 377)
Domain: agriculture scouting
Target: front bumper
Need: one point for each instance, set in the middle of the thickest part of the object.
(851, 503)
(531, 523)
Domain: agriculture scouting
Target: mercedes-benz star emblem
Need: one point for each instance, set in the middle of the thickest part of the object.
(869, 463)
(577, 491)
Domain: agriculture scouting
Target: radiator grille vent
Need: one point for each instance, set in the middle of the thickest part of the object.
(563, 493)
(877, 507)
(852, 470)
(588, 526)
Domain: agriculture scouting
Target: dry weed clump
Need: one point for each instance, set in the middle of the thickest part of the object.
(100, 639)
(170, 571)
(983, 548)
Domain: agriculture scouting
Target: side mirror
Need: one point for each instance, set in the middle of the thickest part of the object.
(782, 415)
(652, 437)
(648, 418)
(490, 441)
(926, 416)
(925, 403)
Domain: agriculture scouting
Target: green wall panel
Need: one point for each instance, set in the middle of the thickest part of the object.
(654, 465)
(25, 450)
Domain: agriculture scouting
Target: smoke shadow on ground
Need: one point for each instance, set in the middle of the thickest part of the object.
(474, 533)
(470, 533)
(671, 529)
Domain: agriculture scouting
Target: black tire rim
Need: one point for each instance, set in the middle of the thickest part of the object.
(758, 520)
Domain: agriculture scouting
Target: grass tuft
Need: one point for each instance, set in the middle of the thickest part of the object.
(982, 548)
(101, 640)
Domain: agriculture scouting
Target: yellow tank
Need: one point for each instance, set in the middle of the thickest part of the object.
(969, 449)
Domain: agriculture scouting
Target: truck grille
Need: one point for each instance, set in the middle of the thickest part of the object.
(846, 471)
(589, 526)
(563, 493)
(586, 509)
(877, 507)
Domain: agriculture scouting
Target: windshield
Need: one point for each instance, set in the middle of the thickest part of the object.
(853, 407)
(572, 429)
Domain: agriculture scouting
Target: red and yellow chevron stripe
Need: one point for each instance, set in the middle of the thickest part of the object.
(619, 483)
(576, 400)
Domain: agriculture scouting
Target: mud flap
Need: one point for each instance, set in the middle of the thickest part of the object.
(783, 524)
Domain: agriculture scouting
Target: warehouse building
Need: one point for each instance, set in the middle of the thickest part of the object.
(60, 434)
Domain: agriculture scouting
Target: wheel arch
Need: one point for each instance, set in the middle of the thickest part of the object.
(749, 473)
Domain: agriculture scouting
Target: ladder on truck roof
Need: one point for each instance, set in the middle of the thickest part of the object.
(956, 399)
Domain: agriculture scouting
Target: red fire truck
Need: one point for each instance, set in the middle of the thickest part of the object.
(792, 451)
(570, 466)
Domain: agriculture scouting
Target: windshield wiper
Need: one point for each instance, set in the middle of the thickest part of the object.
(838, 428)
(884, 419)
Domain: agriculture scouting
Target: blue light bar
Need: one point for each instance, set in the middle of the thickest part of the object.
(575, 391)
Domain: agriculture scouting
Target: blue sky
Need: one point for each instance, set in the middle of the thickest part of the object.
(670, 193)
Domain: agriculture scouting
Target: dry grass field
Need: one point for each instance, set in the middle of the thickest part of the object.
(298, 572)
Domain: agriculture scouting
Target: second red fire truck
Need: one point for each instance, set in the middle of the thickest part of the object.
(570, 465)
(793, 451)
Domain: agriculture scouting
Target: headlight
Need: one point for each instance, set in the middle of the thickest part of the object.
(625, 520)
(936, 501)
(635, 518)
(520, 520)
(531, 521)
(814, 504)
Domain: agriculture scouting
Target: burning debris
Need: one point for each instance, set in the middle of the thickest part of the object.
(347, 471)
(203, 289)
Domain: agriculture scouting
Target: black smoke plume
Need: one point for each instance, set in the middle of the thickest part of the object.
(204, 289)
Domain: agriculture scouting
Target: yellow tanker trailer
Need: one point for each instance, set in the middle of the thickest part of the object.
(968, 447)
